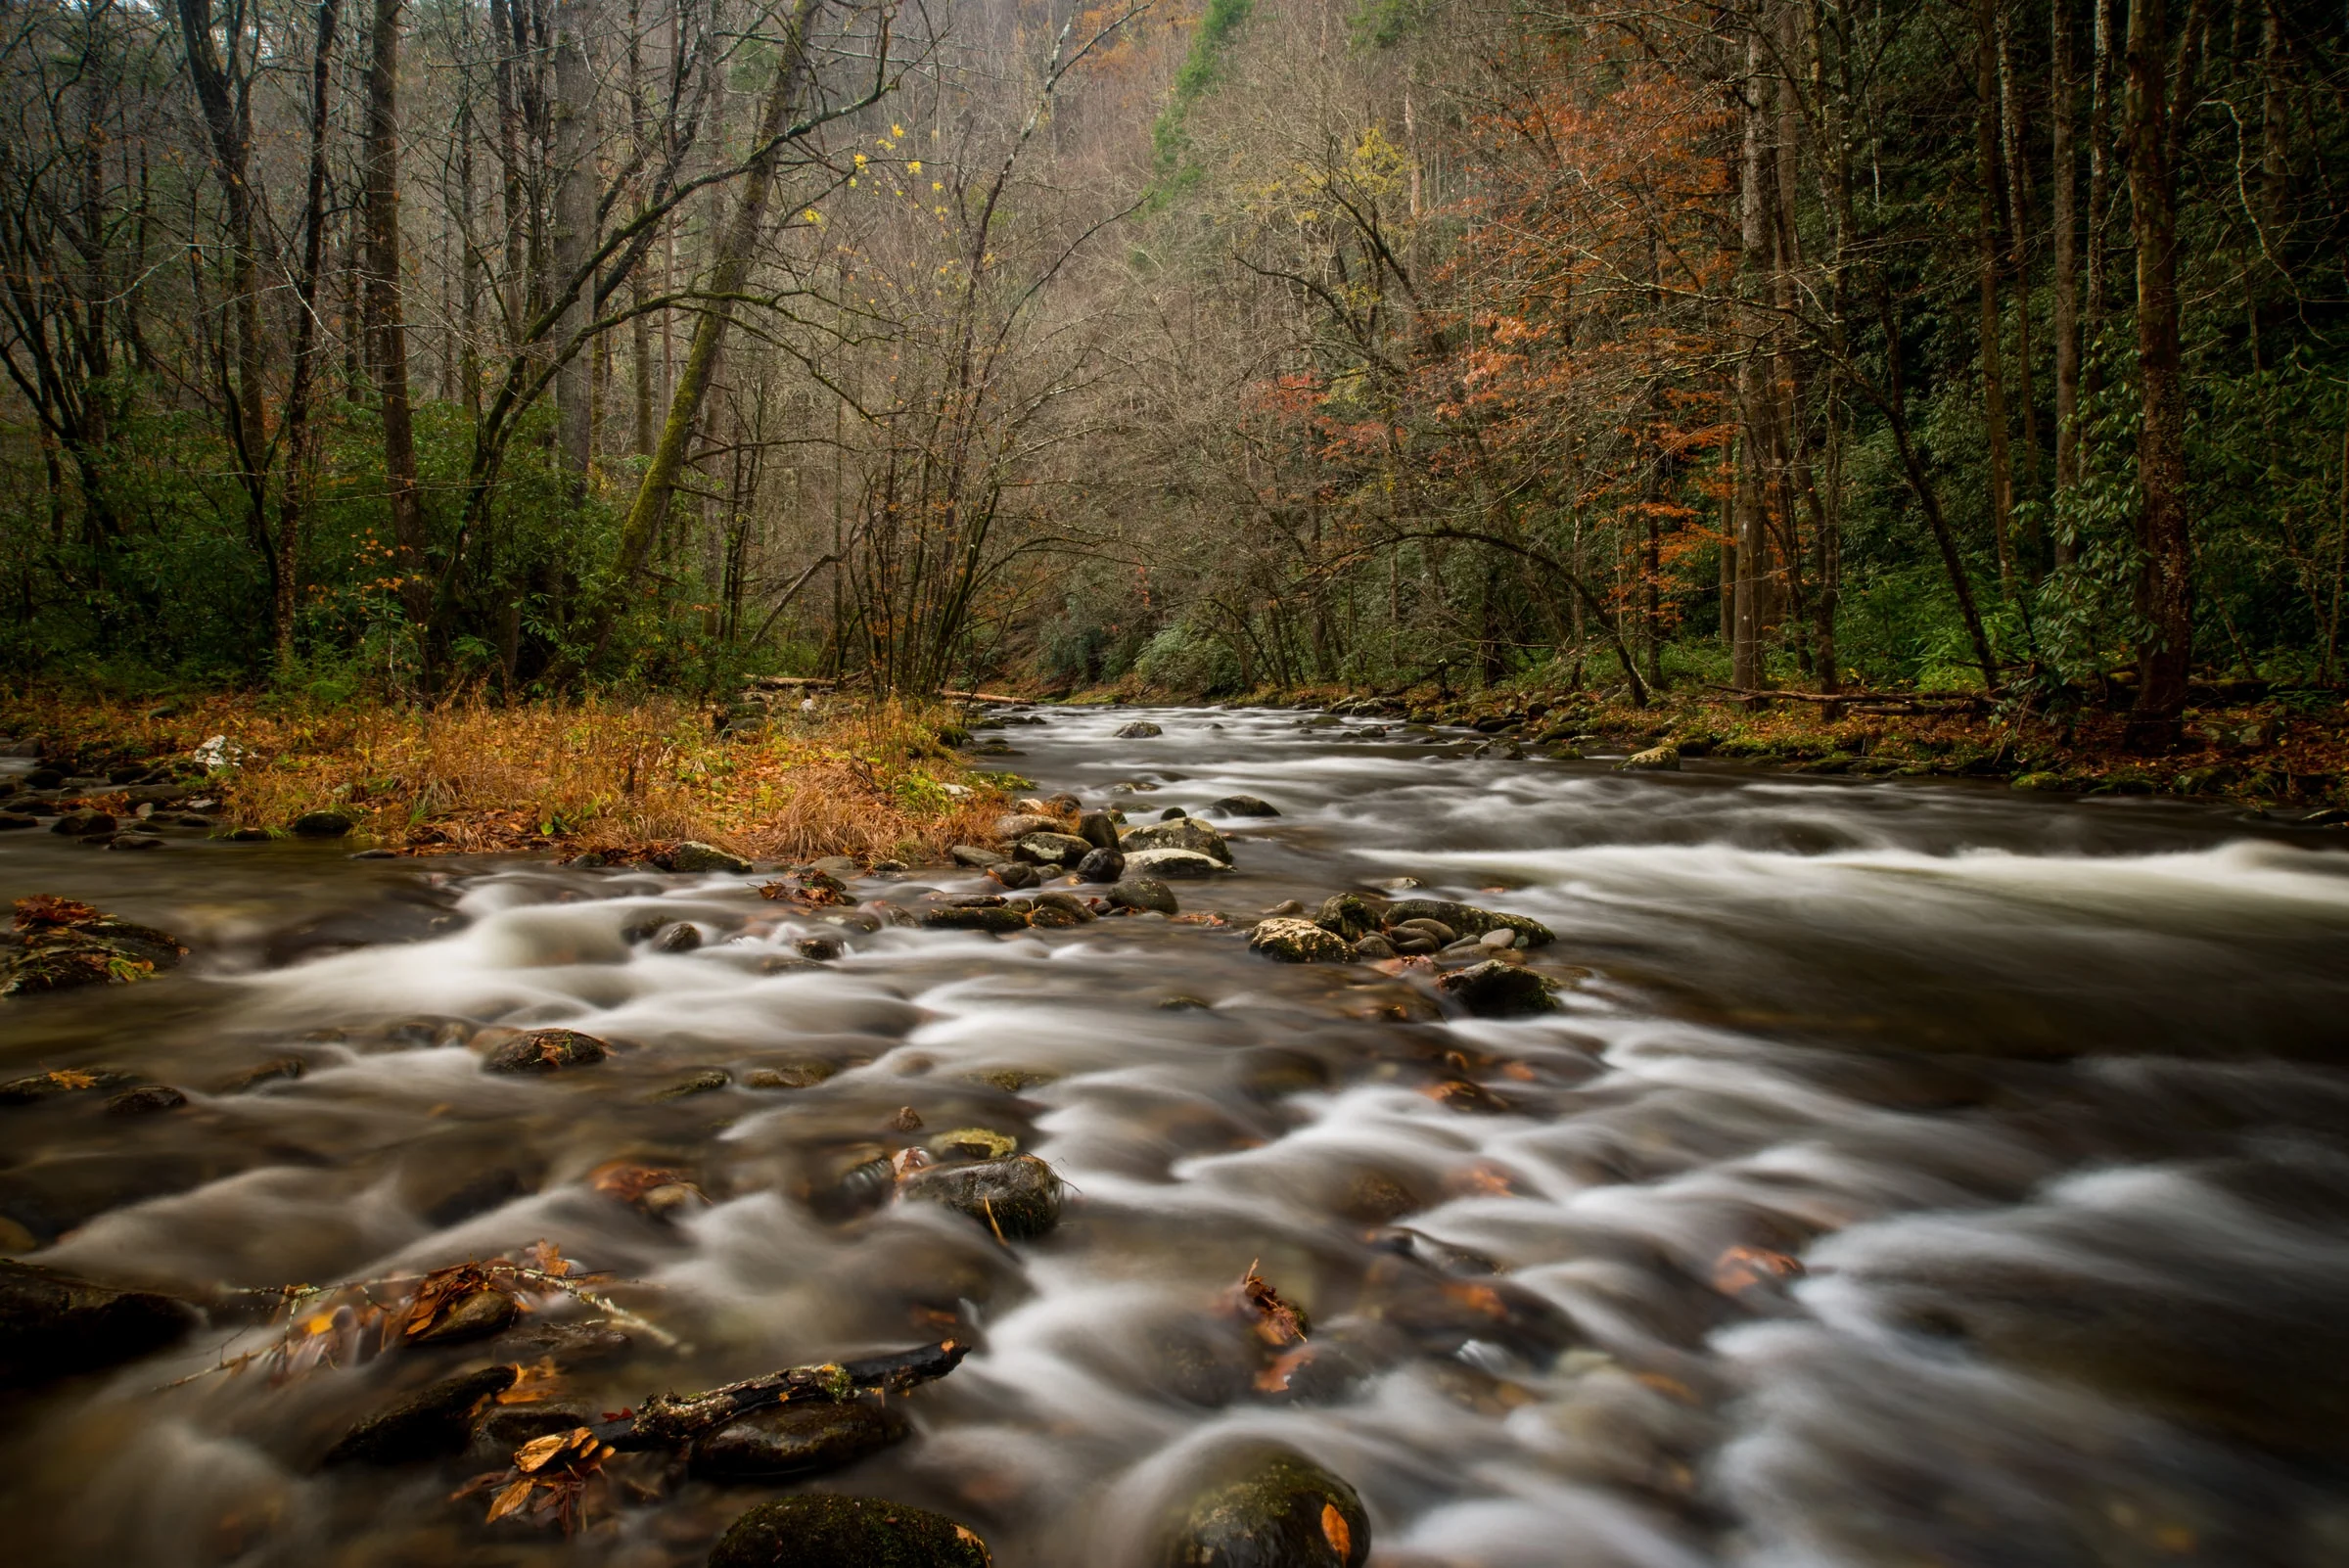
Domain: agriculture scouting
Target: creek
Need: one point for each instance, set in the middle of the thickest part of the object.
(1916, 1173)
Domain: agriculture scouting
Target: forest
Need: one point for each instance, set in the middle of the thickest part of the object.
(527, 347)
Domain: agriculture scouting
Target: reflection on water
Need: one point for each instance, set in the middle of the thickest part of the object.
(1918, 1174)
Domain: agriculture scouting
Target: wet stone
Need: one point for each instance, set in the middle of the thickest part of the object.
(146, 1100)
(435, 1421)
(1139, 730)
(790, 1075)
(1177, 831)
(54, 1325)
(1656, 758)
(973, 855)
(831, 1532)
(321, 825)
(1297, 942)
(999, 919)
(1102, 866)
(545, 1051)
(83, 824)
(1347, 915)
(38, 1086)
(1052, 848)
(1264, 1506)
(1012, 874)
(706, 1082)
(1242, 805)
(819, 950)
(1018, 1198)
(284, 1069)
(11, 821)
(1179, 864)
(478, 1315)
(1098, 829)
(1498, 990)
(683, 936)
(1142, 892)
(1467, 920)
(797, 1440)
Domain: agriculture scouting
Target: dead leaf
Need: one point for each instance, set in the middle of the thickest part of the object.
(48, 909)
(1275, 1321)
(535, 1455)
(1742, 1268)
(510, 1499)
(1334, 1529)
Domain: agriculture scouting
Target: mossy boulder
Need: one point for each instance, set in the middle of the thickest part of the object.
(54, 1325)
(1143, 894)
(1187, 865)
(545, 1051)
(1498, 990)
(1298, 941)
(1052, 848)
(1018, 1198)
(1347, 915)
(831, 1532)
(1467, 920)
(321, 825)
(1656, 758)
(1177, 831)
(2040, 779)
(1264, 1506)
(698, 858)
(56, 944)
(1139, 730)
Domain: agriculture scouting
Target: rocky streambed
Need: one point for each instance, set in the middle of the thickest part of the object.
(1273, 1145)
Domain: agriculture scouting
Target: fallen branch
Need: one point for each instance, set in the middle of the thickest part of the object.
(1891, 700)
(672, 1420)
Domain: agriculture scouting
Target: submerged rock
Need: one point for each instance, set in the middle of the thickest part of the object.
(705, 1082)
(979, 917)
(797, 1440)
(1297, 942)
(694, 856)
(1467, 920)
(1264, 1506)
(435, 1421)
(1018, 1198)
(831, 1532)
(1139, 730)
(1242, 805)
(545, 1051)
(1498, 990)
(145, 1100)
(478, 1315)
(1347, 915)
(39, 1086)
(54, 1325)
(1142, 892)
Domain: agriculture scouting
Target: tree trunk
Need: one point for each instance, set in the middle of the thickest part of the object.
(2100, 205)
(730, 271)
(2018, 223)
(2157, 111)
(387, 323)
(294, 499)
(1993, 392)
(574, 117)
(1753, 211)
(2067, 269)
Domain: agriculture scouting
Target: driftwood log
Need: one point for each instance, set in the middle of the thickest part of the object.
(672, 1420)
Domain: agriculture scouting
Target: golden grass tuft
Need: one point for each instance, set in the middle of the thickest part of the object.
(618, 777)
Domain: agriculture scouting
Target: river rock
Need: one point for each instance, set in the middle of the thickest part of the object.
(321, 825)
(1297, 942)
(1656, 758)
(1467, 920)
(973, 855)
(284, 1069)
(56, 944)
(1052, 848)
(1012, 874)
(820, 950)
(38, 1086)
(146, 1100)
(1058, 911)
(1264, 1506)
(1013, 826)
(54, 1325)
(1177, 831)
(83, 824)
(821, 1531)
(435, 1421)
(1373, 949)
(1102, 866)
(1139, 730)
(545, 1051)
(981, 917)
(1349, 916)
(478, 1315)
(10, 821)
(1019, 1197)
(683, 936)
(708, 1080)
(134, 841)
(1181, 864)
(1098, 829)
(1242, 805)
(797, 1440)
(1498, 990)
(1145, 894)
(698, 858)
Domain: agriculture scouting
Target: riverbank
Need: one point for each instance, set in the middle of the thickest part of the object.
(620, 779)
(2284, 750)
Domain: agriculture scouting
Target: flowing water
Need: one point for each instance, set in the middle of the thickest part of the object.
(1917, 1175)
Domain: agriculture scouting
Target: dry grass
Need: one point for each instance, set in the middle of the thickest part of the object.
(617, 777)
